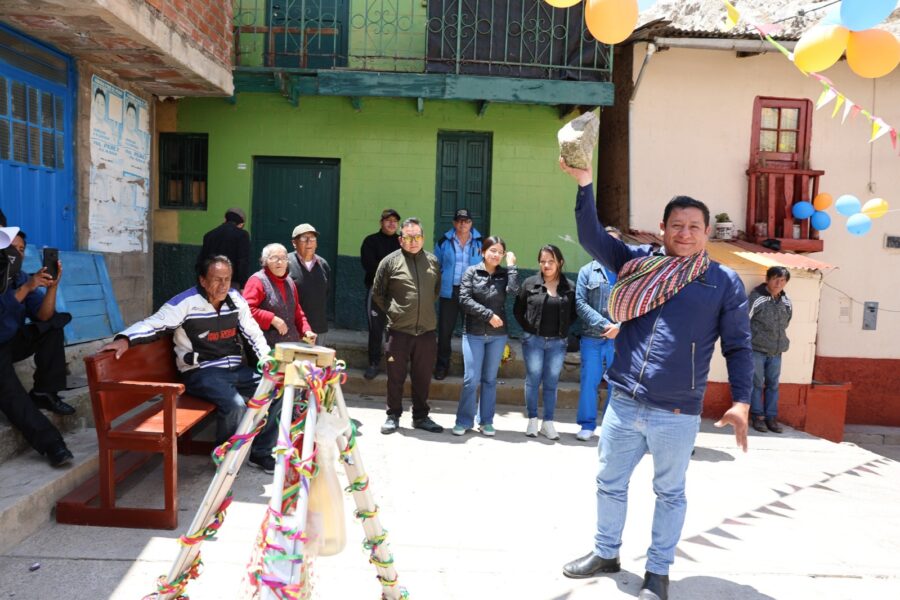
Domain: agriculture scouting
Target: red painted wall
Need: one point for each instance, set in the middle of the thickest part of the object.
(207, 22)
(875, 396)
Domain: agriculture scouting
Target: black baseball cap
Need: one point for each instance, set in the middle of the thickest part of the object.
(462, 214)
(388, 213)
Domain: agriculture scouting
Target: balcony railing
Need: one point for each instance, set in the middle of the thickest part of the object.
(508, 38)
(771, 195)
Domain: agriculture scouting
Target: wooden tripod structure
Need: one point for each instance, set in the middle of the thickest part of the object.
(302, 367)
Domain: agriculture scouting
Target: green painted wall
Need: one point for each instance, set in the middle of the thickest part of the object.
(388, 159)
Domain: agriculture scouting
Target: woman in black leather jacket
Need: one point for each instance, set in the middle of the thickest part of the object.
(482, 297)
(545, 308)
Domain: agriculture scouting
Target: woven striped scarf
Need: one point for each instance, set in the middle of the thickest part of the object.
(649, 281)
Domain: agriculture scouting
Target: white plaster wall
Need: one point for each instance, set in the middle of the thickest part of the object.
(690, 134)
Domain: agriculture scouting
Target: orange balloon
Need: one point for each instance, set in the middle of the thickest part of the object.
(820, 47)
(822, 201)
(611, 21)
(562, 3)
(873, 53)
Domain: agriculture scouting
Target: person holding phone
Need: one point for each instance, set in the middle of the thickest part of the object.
(34, 297)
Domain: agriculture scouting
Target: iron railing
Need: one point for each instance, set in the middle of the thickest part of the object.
(512, 38)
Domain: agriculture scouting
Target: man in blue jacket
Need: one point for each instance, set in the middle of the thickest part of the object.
(672, 304)
(457, 250)
(33, 297)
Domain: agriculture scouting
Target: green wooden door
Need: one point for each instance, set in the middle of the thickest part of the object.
(289, 191)
(463, 179)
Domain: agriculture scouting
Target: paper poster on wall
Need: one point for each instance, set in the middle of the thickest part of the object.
(120, 170)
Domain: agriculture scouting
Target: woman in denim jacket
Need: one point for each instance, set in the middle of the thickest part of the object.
(545, 308)
(482, 297)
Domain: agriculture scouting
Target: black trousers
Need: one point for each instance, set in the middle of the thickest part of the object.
(449, 315)
(413, 355)
(44, 341)
(377, 322)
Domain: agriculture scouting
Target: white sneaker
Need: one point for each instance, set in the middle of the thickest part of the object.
(532, 429)
(549, 431)
(584, 435)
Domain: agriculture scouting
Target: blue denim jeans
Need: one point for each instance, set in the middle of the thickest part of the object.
(543, 363)
(629, 430)
(766, 373)
(596, 357)
(227, 389)
(481, 356)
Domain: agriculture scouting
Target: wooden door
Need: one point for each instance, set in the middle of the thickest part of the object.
(782, 132)
(463, 180)
(288, 191)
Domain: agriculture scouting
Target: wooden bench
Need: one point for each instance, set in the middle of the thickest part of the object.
(145, 372)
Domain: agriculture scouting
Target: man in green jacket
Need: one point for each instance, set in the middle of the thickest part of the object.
(406, 287)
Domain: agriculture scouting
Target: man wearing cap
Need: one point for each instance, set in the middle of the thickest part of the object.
(457, 250)
(229, 239)
(312, 275)
(21, 296)
(374, 248)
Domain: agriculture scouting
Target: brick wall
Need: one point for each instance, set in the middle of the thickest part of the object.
(207, 22)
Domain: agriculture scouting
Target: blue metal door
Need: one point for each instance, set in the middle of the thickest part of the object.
(37, 186)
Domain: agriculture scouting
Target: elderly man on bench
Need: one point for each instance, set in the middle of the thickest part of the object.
(207, 320)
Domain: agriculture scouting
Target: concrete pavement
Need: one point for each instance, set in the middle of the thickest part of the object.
(477, 518)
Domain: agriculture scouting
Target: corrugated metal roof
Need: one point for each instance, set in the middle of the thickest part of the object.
(731, 252)
(706, 18)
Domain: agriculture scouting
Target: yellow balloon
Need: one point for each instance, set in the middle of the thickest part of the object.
(611, 21)
(562, 3)
(820, 47)
(875, 208)
(822, 201)
(873, 52)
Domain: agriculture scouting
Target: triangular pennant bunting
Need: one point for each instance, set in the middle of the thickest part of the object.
(828, 94)
(837, 105)
(733, 16)
(847, 107)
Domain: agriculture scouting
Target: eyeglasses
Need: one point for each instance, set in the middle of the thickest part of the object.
(277, 259)
(412, 239)
(495, 252)
(307, 239)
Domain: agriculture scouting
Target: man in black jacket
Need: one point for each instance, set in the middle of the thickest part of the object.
(229, 239)
(373, 249)
(770, 314)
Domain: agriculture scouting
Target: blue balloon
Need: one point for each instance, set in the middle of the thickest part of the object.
(857, 15)
(832, 17)
(847, 205)
(859, 224)
(820, 220)
(803, 210)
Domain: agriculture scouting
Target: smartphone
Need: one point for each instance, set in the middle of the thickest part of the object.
(50, 260)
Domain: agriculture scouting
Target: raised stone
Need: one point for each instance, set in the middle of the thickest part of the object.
(577, 139)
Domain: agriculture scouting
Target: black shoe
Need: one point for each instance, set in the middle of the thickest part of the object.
(590, 565)
(655, 587)
(428, 425)
(266, 464)
(391, 425)
(759, 424)
(59, 455)
(371, 372)
(440, 373)
(52, 402)
(773, 426)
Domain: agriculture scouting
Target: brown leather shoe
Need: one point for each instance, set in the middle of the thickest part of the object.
(773, 426)
(759, 424)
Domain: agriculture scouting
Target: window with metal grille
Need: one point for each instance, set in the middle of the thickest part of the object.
(183, 170)
(32, 125)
